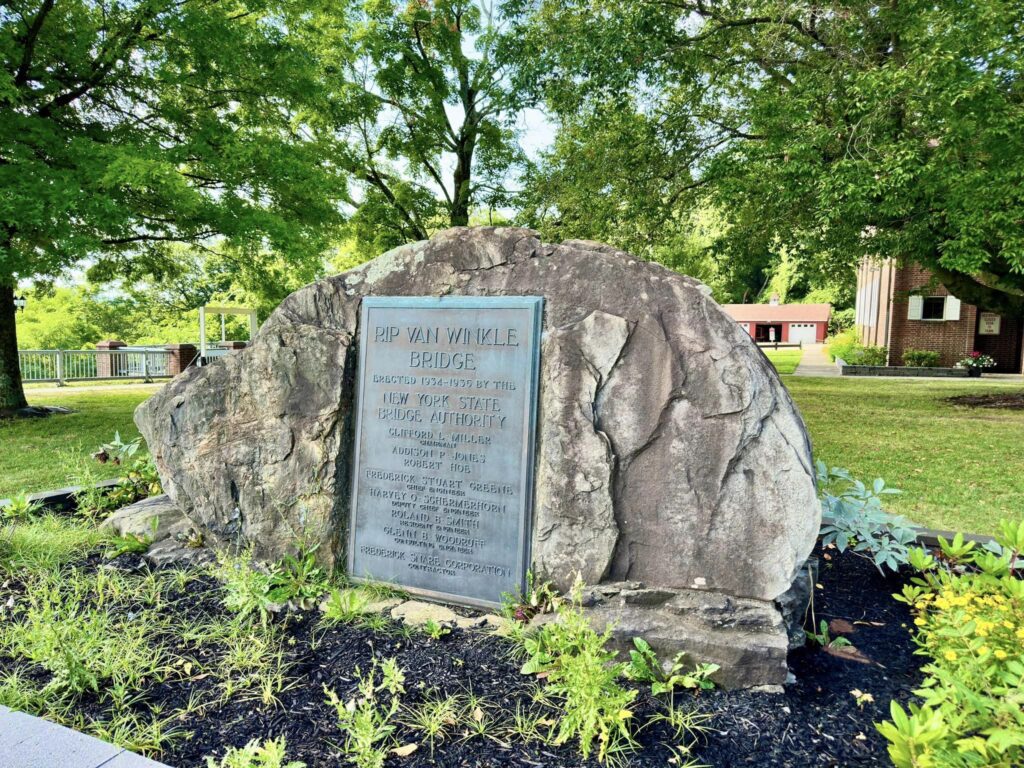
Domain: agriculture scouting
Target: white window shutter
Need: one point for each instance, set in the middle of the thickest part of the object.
(915, 307)
(951, 311)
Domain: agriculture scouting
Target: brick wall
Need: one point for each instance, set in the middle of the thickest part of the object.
(953, 339)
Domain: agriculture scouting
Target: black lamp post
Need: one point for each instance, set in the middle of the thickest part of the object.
(19, 303)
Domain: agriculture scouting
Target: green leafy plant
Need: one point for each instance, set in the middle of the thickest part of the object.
(823, 637)
(20, 507)
(367, 721)
(644, 666)
(345, 605)
(537, 598)
(853, 519)
(298, 581)
(581, 677)
(435, 630)
(434, 718)
(968, 604)
(269, 754)
(246, 585)
(921, 358)
(117, 451)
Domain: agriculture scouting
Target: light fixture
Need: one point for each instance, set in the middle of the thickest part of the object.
(19, 303)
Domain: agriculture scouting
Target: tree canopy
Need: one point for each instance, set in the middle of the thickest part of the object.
(836, 131)
(126, 126)
(421, 101)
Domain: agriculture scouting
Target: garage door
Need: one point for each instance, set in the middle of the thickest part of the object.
(803, 332)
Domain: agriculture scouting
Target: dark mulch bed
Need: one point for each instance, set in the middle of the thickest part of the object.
(1013, 401)
(816, 722)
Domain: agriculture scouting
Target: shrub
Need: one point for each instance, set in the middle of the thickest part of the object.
(870, 356)
(854, 519)
(841, 320)
(921, 358)
(846, 347)
(842, 345)
(969, 615)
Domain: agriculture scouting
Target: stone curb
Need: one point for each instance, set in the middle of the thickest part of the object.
(27, 741)
(929, 537)
(62, 498)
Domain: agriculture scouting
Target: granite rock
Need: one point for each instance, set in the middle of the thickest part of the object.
(668, 450)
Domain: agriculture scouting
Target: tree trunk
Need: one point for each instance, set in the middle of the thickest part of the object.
(12, 394)
(462, 179)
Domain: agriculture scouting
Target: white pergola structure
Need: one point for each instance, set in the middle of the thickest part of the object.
(223, 311)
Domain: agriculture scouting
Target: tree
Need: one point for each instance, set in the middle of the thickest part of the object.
(836, 130)
(420, 98)
(128, 125)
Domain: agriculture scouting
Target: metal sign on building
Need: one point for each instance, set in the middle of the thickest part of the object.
(444, 449)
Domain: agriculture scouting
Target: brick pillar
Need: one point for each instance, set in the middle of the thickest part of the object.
(108, 366)
(181, 357)
(232, 344)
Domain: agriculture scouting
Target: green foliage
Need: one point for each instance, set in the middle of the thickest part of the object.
(823, 638)
(873, 125)
(117, 450)
(345, 605)
(49, 542)
(581, 677)
(252, 589)
(854, 519)
(969, 620)
(404, 85)
(246, 585)
(538, 598)
(434, 718)
(644, 666)
(20, 508)
(127, 127)
(435, 630)
(924, 358)
(64, 627)
(269, 754)
(367, 721)
(298, 580)
(95, 503)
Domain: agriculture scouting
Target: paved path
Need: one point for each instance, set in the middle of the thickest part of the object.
(815, 362)
(31, 742)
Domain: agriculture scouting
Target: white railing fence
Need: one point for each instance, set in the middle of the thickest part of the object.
(61, 365)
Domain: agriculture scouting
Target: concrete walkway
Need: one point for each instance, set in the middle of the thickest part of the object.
(815, 362)
(31, 742)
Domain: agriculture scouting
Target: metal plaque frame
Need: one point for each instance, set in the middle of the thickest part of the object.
(536, 305)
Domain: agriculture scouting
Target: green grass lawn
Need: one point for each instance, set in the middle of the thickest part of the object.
(784, 360)
(959, 468)
(39, 454)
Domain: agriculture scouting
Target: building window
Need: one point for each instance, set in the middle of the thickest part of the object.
(933, 308)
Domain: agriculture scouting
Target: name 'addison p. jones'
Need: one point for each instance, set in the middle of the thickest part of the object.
(445, 424)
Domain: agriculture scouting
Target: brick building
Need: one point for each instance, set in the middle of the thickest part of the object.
(784, 323)
(905, 308)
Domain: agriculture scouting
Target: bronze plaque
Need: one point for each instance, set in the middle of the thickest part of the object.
(444, 446)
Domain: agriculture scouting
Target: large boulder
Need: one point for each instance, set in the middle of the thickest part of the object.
(669, 456)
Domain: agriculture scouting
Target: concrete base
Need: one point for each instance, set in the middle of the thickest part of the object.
(903, 370)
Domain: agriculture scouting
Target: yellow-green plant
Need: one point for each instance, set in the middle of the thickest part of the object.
(968, 606)
(269, 754)
(582, 681)
(367, 721)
